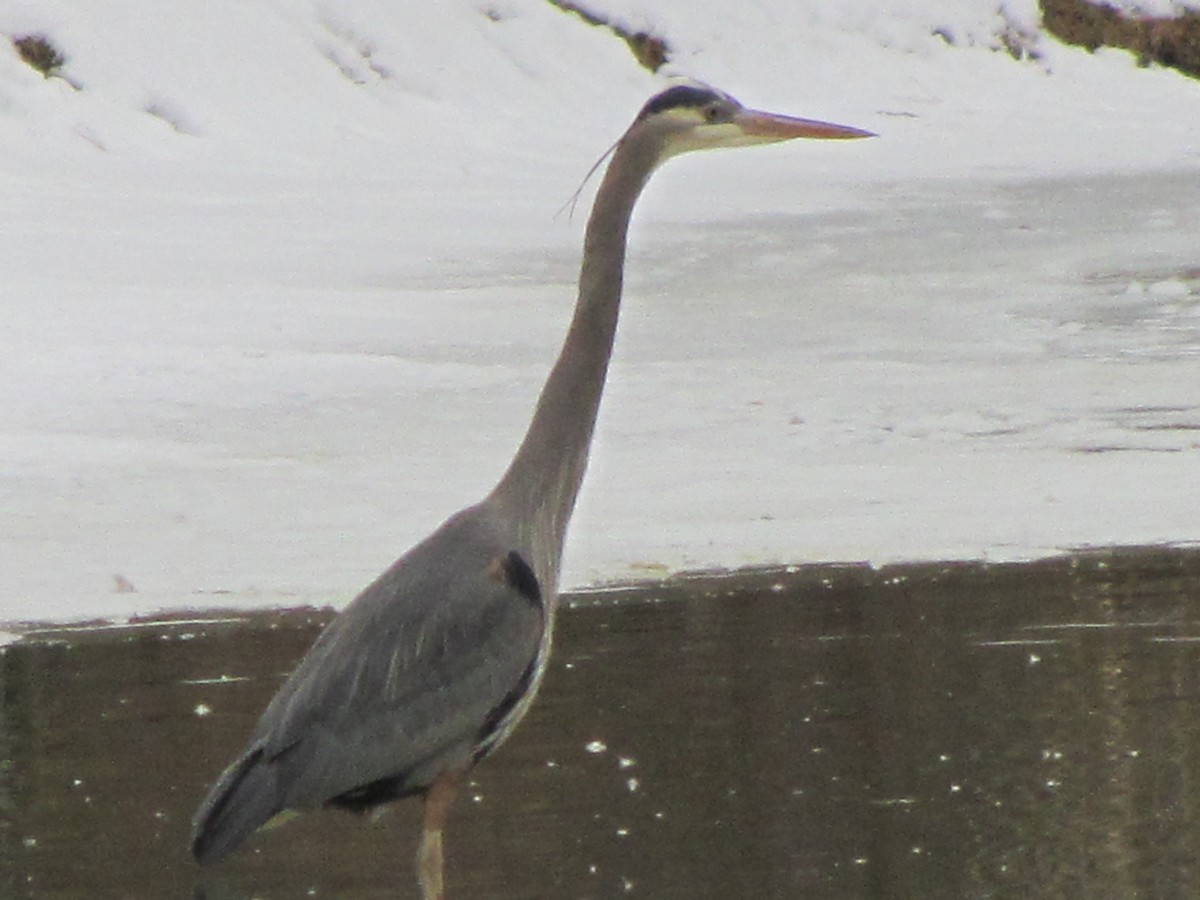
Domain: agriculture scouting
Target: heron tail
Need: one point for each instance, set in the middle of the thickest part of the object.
(244, 798)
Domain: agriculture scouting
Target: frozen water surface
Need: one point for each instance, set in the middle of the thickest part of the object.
(999, 370)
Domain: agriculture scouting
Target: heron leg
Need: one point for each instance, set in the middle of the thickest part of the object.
(429, 856)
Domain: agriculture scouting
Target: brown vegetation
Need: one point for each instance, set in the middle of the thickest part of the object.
(38, 52)
(1173, 42)
(649, 50)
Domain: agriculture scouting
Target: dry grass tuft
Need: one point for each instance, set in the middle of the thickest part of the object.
(1173, 42)
(37, 51)
(651, 51)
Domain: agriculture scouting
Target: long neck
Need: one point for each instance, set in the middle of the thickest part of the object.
(541, 484)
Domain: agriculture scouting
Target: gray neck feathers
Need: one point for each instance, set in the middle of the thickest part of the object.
(539, 489)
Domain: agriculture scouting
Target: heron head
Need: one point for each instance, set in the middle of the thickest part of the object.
(697, 117)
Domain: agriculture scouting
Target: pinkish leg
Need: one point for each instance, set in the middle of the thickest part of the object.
(438, 799)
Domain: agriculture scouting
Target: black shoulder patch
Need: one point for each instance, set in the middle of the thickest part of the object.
(683, 95)
(519, 575)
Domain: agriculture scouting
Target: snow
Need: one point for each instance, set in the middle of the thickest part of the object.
(282, 280)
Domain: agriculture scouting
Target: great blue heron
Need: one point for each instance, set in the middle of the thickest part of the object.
(431, 667)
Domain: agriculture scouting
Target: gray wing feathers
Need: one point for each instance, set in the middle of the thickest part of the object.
(244, 797)
(398, 685)
(398, 703)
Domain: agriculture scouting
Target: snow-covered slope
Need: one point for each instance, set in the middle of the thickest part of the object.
(281, 280)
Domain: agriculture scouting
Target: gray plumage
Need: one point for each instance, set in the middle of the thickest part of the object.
(369, 701)
(433, 664)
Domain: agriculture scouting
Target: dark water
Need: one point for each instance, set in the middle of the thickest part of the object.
(959, 731)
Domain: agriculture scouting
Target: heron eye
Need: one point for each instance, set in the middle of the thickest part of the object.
(712, 113)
